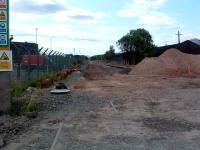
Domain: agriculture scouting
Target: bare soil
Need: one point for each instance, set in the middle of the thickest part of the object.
(149, 112)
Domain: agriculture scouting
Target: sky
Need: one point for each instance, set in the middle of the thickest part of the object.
(91, 26)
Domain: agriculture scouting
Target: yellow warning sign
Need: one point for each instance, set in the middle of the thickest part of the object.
(3, 16)
(4, 56)
(6, 61)
(5, 65)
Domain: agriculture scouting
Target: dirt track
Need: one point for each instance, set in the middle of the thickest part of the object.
(152, 113)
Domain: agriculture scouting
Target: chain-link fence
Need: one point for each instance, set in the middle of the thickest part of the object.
(31, 62)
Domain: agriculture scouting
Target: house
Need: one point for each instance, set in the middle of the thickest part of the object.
(190, 47)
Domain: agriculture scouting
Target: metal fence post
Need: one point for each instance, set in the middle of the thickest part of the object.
(29, 62)
(38, 61)
(57, 61)
(44, 55)
(18, 62)
(48, 62)
(53, 61)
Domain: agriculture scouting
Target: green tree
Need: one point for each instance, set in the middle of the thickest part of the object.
(97, 57)
(110, 54)
(136, 45)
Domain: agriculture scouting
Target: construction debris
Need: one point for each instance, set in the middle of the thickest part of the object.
(60, 88)
(61, 75)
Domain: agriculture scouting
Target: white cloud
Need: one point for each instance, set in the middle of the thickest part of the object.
(69, 27)
(78, 15)
(89, 40)
(157, 20)
(148, 13)
(56, 10)
(38, 7)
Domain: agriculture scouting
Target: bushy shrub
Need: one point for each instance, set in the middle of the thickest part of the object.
(31, 106)
(17, 90)
(33, 83)
(17, 106)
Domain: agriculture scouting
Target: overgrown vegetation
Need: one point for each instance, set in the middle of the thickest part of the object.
(30, 106)
(20, 103)
(19, 106)
(17, 90)
(33, 83)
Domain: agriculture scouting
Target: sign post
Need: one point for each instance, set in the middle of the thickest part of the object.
(5, 64)
(5, 57)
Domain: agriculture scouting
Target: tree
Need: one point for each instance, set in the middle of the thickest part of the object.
(112, 49)
(136, 45)
(110, 54)
(97, 57)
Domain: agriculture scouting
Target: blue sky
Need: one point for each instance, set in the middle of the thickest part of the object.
(91, 26)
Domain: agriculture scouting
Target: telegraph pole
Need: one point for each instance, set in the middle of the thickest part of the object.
(36, 34)
(38, 53)
(50, 43)
(74, 51)
(179, 37)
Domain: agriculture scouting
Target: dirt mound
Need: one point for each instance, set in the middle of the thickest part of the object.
(97, 71)
(171, 63)
(148, 66)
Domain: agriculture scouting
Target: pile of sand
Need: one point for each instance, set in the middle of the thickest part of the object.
(171, 63)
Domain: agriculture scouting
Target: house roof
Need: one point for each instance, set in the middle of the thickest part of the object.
(190, 47)
(196, 41)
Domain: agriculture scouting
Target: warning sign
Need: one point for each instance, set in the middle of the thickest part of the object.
(6, 61)
(4, 56)
(4, 25)
(3, 15)
(3, 3)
